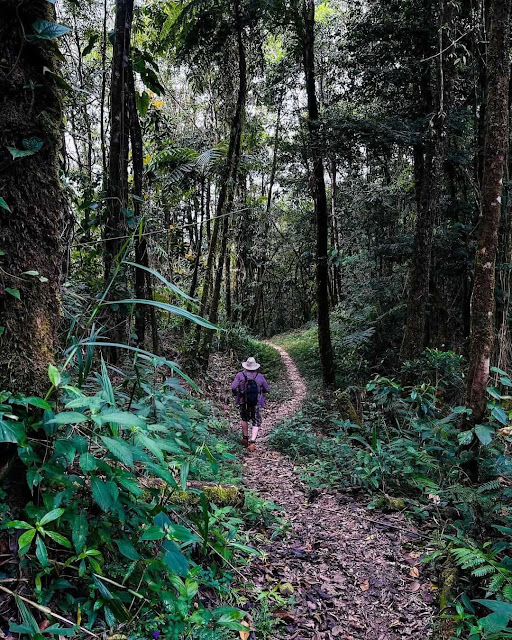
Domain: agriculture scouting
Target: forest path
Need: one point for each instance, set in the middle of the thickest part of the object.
(351, 577)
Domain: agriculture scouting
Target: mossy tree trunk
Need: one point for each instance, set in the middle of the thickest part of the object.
(30, 231)
(496, 143)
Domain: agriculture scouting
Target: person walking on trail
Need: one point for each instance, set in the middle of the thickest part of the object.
(249, 388)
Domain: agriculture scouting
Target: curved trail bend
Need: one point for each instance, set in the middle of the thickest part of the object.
(352, 578)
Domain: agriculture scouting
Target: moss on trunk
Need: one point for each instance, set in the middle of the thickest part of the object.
(30, 232)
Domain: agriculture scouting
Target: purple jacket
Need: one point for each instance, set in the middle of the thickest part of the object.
(239, 382)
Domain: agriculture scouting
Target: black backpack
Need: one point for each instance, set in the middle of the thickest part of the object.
(252, 391)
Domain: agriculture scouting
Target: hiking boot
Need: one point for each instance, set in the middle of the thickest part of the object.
(252, 446)
(245, 441)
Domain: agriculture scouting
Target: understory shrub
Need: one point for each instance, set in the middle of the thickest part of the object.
(101, 541)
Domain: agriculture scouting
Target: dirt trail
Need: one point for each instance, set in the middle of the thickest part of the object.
(352, 578)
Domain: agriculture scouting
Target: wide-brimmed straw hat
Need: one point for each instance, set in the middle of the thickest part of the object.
(250, 364)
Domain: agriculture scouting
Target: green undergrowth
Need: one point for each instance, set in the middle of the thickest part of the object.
(103, 536)
(243, 345)
(349, 341)
(409, 450)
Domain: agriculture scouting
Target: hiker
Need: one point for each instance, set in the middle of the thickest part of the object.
(249, 387)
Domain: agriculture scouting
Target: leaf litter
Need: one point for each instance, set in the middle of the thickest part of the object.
(348, 576)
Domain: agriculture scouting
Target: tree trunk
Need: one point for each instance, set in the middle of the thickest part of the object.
(496, 141)
(227, 267)
(141, 249)
(228, 186)
(30, 231)
(320, 197)
(430, 175)
(117, 186)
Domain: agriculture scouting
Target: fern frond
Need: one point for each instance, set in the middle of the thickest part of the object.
(486, 570)
(492, 485)
(495, 584)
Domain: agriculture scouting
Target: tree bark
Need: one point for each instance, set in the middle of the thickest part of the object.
(30, 231)
(430, 175)
(141, 248)
(228, 186)
(320, 198)
(117, 185)
(496, 142)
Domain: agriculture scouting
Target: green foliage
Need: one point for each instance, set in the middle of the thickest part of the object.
(239, 340)
(102, 466)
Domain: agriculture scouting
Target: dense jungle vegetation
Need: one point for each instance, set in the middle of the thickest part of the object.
(181, 180)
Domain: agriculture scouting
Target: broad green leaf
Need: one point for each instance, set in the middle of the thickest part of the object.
(55, 629)
(69, 417)
(152, 533)
(162, 473)
(51, 516)
(80, 531)
(59, 538)
(26, 538)
(170, 308)
(90, 45)
(65, 449)
(494, 392)
(18, 524)
(181, 533)
(13, 292)
(127, 549)
(38, 402)
(101, 494)
(46, 30)
(54, 375)
(148, 443)
(119, 449)
(465, 437)
(41, 551)
(500, 415)
(504, 608)
(484, 433)
(87, 462)
(176, 562)
(10, 431)
(143, 101)
(3, 204)
(130, 485)
(122, 418)
(494, 622)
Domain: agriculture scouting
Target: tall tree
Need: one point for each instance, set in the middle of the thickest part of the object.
(428, 174)
(117, 179)
(496, 141)
(320, 198)
(33, 209)
(229, 179)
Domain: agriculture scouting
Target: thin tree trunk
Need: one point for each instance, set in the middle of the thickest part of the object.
(430, 173)
(266, 223)
(117, 183)
(31, 230)
(227, 190)
(320, 197)
(227, 285)
(141, 250)
(496, 141)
